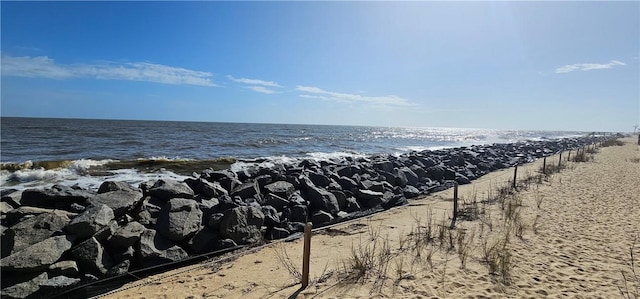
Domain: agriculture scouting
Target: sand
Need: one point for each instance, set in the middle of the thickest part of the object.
(566, 235)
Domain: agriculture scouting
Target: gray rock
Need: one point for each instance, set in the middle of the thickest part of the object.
(321, 217)
(271, 217)
(120, 268)
(14, 216)
(280, 188)
(412, 177)
(322, 199)
(278, 233)
(5, 207)
(276, 201)
(90, 221)
(58, 283)
(32, 230)
(12, 197)
(246, 190)
(318, 179)
(214, 221)
(299, 213)
(204, 241)
(370, 198)
(168, 189)
(110, 186)
(154, 249)
(67, 268)
(226, 243)
(347, 183)
(179, 219)
(411, 192)
(211, 189)
(38, 256)
(120, 201)
(24, 289)
(92, 257)
(56, 197)
(242, 225)
(148, 212)
(106, 232)
(352, 205)
(126, 235)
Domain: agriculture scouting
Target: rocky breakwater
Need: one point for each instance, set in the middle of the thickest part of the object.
(57, 238)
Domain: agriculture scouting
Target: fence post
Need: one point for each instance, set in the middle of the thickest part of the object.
(455, 205)
(560, 161)
(544, 165)
(306, 254)
(515, 176)
(569, 156)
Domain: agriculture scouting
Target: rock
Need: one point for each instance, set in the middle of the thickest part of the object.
(56, 197)
(226, 243)
(32, 230)
(38, 256)
(154, 249)
(106, 232)
(214, 221)
(318, 179)
(277, 233)
(242, 225)
(276, 201)
(120, 201)
(347, 183)
(411, 192)
(351, 205)
(246, 190)
(90, 221)
(15, 215)
(58, 283)
(384, 165)
(179, 219)
(271, 217)
(110, 186)
(120, 268)
(126, 235)
(370, 198)
(321, 218)
(392, 200)
(227, 179)
(322, 199)
(280, 188)
(412, 177)
(67, 268)
(299, 213)
(148, 211)
(168, 189)
(211, 189)
(92, 257)
(5, 207)
(24, 289)
(12, 197)
(204, 241)
(436, 172)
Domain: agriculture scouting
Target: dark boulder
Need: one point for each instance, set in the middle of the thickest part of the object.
(154, 249)
(411, 192)
(67, 268)
(56, 197)
(90, 221)
(320, 218)
(32, 230)
(318, 179)
(277, 233)
(120, 201)
(279, 203)
(92, 257)
(110, 186)
(242, 225)
(280, 188)
(226, 243)
(321, 199)
(299, 213)
(271, 217)
(179, 219)
(412, 177)
(204, 241)
(370, 198)
(347, 183)
(126, 235)
(58, 283)
(246, 190)
(24, 289)
(120, 268)
(38, 256)
(16, 215)
(168, 189)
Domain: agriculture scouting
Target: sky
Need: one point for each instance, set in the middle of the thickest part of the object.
(498, 65)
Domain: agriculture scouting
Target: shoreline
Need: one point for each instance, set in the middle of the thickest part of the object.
(564, 256)
(139, 231)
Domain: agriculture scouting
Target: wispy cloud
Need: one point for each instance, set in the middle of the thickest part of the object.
(45, 67)
(311, 92)
(257, 85)
(254, 82)
(587, 66)
(261, 89)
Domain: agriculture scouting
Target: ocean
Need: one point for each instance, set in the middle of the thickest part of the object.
(41, 152)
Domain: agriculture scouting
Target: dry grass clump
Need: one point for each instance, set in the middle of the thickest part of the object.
(630, 286)
(612, 142)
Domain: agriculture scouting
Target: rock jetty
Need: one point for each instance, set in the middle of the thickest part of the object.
(60, 237)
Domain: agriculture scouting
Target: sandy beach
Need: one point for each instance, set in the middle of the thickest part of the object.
(562, 235)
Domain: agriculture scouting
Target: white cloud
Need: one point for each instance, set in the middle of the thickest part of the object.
(45, 67)
(254, 82)
(261, 89)
(587, 66)
(312, 92)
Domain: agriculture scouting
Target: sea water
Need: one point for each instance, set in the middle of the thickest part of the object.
(40, 152)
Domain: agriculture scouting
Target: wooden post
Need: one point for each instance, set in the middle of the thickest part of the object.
(306, 254)
(569, 156)
(544, 165)
(515, 176)
(455, 205)
(560, 160)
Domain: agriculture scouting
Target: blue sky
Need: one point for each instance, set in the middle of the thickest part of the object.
(503, 65)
